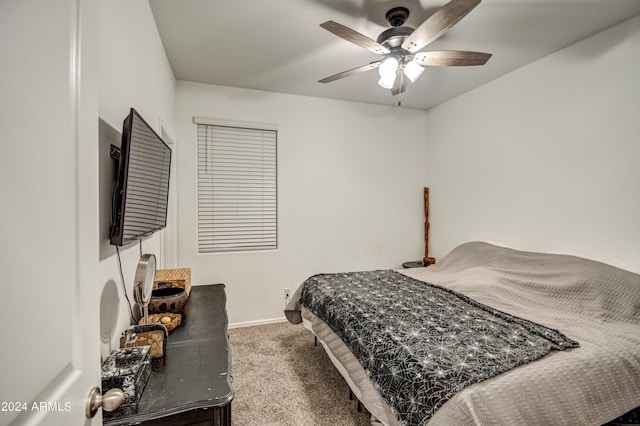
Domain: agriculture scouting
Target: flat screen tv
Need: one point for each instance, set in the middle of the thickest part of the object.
(141, 191)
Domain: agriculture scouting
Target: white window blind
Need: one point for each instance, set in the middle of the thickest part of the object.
(237, 188)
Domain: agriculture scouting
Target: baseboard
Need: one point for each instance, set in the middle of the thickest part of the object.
(258, 322)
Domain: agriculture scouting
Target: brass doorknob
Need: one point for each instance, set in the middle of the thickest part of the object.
(109, 401)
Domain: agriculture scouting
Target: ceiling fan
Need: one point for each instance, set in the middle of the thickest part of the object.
(401, 46)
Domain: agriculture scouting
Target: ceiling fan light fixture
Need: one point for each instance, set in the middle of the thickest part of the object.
(388, 67)
(387, 81)
(387, 71)
(413, 70)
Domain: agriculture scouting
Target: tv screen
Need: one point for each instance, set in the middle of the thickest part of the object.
(141, 192)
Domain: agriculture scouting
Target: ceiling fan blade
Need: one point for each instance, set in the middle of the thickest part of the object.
(355, 37)
(438, 23)
(400, 85)
(449, 58)
(343, 74)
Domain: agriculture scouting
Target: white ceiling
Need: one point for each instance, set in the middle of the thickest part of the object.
(278, 46)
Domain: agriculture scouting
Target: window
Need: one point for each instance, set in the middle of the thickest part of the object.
(237, 186)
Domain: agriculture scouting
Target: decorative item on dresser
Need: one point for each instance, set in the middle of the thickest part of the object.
(168, 299)
(192, 383)
(179, 277)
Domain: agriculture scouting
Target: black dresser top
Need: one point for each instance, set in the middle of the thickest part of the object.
(195, 371)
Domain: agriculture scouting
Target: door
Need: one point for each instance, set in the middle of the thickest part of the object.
(50, 357)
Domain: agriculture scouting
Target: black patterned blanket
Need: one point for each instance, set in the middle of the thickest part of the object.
(421, 343)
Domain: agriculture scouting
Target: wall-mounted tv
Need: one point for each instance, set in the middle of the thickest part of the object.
(141, 191)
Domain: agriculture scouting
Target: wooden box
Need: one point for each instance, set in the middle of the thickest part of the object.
(176, 277)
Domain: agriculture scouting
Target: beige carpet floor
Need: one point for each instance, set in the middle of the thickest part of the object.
(281, 378)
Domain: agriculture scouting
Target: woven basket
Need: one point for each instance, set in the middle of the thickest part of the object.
(174, 320)
(177, 277)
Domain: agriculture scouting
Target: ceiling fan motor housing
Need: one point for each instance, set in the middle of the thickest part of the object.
(394, 37)
(397, 16)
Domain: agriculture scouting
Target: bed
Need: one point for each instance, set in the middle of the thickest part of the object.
(565, 347)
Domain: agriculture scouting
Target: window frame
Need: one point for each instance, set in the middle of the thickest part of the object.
(208, 242)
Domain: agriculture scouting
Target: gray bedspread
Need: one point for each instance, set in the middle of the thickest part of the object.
(590, 302)
(421, 343)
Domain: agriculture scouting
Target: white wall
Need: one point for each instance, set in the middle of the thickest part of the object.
(350, 179)
(542, 158)
(545, 157)
(134, 72)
